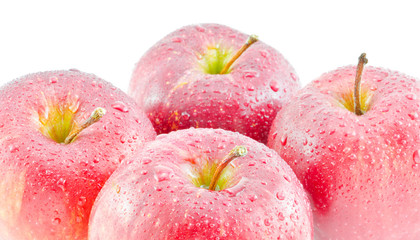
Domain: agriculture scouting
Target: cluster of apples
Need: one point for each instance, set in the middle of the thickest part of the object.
(216, 141)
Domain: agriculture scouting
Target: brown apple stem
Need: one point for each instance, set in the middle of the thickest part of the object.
(238, 151)
(251, 40)
(97, 114)
(357, 106)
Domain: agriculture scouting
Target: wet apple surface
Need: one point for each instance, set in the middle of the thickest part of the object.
(361, 171)
(163, 192)
(48, 185)
(181, 82)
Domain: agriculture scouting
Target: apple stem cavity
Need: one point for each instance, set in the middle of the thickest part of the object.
(238, 151)
(357, 103)
(251, 40)
(96, 115)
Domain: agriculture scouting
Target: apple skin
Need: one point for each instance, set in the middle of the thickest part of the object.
(151, 195)
(172, 88)
(361, 172)
(47, 188)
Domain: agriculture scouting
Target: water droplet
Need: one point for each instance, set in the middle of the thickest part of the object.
(274, 85)
(250, 87)
(176, 40)
(410, 96)
(163, 173)
(239, 187)
(293, 76)
(120, 106)
(294, 217)
(53, 79)
(280, 196)
(385, 109)
(81, 201)
(146, 161)
(332, 148)
(416, 156)
(252, 163)
(56, 221)
(200, 29)
(283, 140)
(13, 148)
(267, 222)
(143, 172)
(264, 53)
(413, 115)
(185, 116)
(61, 183)
(253, 198)
(281, 216)
(250, 74)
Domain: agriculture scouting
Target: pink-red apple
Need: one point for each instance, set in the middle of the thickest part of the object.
(180, 83)
(188, 185)
(52, 163)
(361, 168)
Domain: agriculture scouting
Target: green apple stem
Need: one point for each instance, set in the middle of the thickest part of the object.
(357, 106)
(238, 151)
(97, 114)
(251, 40)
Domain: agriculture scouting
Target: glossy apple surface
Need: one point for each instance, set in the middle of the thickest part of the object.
(177, 82)
(162, 192)
(47, 187)
(362, 172)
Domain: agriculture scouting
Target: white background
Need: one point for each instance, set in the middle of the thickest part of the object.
(108, 37)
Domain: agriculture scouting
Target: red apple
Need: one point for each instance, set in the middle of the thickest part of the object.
(179, 82)
(51, 169)
(361, 170)
(181, 186)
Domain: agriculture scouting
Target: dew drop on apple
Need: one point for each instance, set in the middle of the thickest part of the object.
(264, 53)
(283, 140)
(61, 183)
(281, 216)
(53, 79)
(413, 115)
(293, 76)
(250, 74)
(416, 156)
(274, 85)
(200, 29)
(13, 148)
(410, 96)
(250, 87)
(280, 196)
(163, 173)
(252, 197)
(56, 221)
(176, 40)
(120, 106)
(81, 201)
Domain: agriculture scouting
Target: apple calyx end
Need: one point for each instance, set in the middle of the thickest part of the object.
(94, 117)
(251, 40)
(357, 102)
(237, 151)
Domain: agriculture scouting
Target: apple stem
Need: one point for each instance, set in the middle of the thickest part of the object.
(251, 40)
(357, 105)
(97, 114)
(238, 151)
